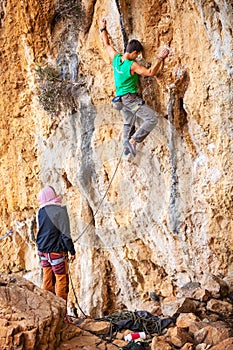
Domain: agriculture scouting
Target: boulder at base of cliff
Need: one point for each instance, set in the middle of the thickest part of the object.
(30, 318)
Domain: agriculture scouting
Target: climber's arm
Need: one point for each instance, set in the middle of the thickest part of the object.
(149, 72)
(104, 34)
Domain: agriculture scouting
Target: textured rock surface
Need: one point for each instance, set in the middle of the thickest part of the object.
(29, 318)
(167, 217)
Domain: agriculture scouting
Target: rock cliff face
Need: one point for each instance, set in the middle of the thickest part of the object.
(166, 218)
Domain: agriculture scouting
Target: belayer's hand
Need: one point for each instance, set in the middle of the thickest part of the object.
(163, 54)
(72, 258)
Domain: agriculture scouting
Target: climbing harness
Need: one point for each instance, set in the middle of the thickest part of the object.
(75, 295)
(118, 104)
(6, 234)
(53, 262)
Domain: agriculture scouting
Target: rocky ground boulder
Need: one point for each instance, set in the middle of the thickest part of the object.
(31, 318)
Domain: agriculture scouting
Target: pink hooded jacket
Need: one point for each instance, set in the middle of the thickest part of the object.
(48, 196)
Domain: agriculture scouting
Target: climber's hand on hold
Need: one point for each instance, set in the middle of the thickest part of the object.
(163, 54)
(104, 35)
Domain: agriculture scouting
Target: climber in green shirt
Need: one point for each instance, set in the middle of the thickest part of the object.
(125, 82)
(126, 71)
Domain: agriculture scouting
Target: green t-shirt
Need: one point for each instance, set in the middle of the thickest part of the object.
(124, 81)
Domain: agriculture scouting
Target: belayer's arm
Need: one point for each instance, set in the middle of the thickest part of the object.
(63, 224)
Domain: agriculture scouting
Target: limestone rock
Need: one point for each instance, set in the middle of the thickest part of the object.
(178, 336)
(30, 318)
(216, 285)
(70, 331)
(96, 327)
(203, 346)
(224, 345)
(221, 307)
(158, 344)
(213, 334)
(188, 346)
(180, 305)
(193, 290)
(229, 280)
(86, 340)
(186, 320)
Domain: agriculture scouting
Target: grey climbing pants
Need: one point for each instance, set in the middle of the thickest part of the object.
(131, 111)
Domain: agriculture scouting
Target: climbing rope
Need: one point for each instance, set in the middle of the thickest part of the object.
(135, 109)
(98, 208)
(145, 323)
(100, 203)
(125, 39)
(75, 295)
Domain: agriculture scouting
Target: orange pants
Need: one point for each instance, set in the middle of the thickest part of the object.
(55, 277)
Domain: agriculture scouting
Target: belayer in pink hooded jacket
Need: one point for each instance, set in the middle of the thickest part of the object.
(54, 242)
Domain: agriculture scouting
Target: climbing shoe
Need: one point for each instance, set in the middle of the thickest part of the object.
(130, 148)
(126, 150)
